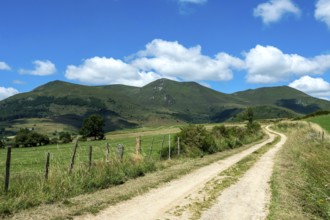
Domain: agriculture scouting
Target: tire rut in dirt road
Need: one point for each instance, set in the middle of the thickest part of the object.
(157, 202)
(249, 198)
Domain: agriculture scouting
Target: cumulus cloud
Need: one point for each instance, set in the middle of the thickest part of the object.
(193, 1)
(42, 68)
(160, 59)
(174, 60)
(7, 92)
(316, 87)
(322, 12)
(170, 59)
(4, 66)
(102, 70)
(274, 10)
(268, 64)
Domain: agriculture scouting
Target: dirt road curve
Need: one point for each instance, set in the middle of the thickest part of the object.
(248, 199)
(156, 203)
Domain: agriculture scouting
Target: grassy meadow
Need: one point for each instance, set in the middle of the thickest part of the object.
(322, 120)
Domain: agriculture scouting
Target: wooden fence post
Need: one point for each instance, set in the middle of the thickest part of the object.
(7, 168)
(169, 146)
(47, 165)
(161, 148)
(90, 157)
(152, 143)
(73, 156)
(107, 152)
(120, 152)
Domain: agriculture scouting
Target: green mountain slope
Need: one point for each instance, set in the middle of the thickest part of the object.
(160, 102)
(285, 97)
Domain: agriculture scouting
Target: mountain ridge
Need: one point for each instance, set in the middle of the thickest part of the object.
(160, 102)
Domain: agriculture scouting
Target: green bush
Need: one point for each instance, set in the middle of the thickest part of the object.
(253, 127)
(195, 140)
(65, 137)
(28, 138)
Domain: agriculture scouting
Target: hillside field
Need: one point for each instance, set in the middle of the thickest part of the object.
(323, 121)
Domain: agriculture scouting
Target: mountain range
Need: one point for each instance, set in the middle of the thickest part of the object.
(160, 102)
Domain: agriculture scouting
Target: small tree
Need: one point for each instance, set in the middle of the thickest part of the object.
(22, 137)
(93, 127)
(65, 137)
(252, 126)
(249, 115)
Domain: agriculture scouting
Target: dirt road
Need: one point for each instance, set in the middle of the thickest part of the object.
(156, 203)
(249, 198)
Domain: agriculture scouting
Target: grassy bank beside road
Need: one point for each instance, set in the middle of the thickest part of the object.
(300, 182)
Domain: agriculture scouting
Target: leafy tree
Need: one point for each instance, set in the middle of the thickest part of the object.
(65, 137)
(249, 115)
(21, 138)
(27, 138)
(93, 127)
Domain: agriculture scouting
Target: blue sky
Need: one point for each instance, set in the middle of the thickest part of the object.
(228, 45)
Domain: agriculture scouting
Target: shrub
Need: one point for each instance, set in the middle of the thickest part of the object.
(65, 137)
(253, 127)
(196, 140)
(27, 138)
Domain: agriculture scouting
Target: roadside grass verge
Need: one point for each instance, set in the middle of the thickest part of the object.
(31, 190)
(66, 208)
(300, 182)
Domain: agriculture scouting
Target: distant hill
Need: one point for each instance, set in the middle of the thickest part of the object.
(160, 102)
(284, 97)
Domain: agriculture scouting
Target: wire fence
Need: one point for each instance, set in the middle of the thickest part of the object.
(32, 161)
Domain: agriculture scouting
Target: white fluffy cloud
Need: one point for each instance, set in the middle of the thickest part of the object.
(102, 70)
(160, 59)
(4, 66)
(42, 68)
(193, 1)
(317, 87)
(322, 12)
(174, 60)
(268, 64)
(7, 92)
(167, 59)
(274, 10)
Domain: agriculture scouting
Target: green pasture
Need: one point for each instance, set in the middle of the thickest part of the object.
(323, 121)
(33, 159)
